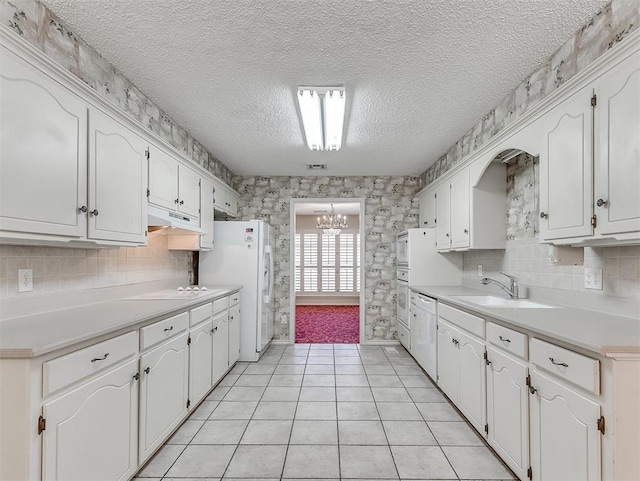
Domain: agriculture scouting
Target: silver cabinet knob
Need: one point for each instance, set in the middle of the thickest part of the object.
(83, 209)
(601, 202)
(94, 212)
(543, 215)
(466, 231)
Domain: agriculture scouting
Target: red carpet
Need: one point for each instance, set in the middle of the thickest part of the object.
(328, 324)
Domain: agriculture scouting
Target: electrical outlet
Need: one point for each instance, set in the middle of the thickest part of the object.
(479, 270)
(283, 319)
(592, 278)
(25, 280)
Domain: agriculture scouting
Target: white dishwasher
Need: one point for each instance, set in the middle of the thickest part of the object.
(424, 335)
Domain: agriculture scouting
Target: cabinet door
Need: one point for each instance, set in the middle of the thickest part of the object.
(200, 361)
(164, 376)
(189, 191)
(472, 390)
(220, 346)
(427, 214)
(206, 213)
(117, 181)
(508, 410)
(565, 441)
(566, 173)
(234, 334)
(163, 179)
(443, 239)
(92, 431)
(617, 137)
(219, 197)
(232, 204)
(459, 199)
(448, 361)
(43, 153)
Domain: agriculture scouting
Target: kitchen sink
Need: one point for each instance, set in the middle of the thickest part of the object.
(502, 302)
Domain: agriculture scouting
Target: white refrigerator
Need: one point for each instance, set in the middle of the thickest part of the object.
(243, 254)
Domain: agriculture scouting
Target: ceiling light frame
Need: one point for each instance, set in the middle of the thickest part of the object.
(322, 112)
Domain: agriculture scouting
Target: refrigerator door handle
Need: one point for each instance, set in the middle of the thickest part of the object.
(268, 275)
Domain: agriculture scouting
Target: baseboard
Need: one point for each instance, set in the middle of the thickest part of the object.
(385, 342)
(327, 301)
(280, 341)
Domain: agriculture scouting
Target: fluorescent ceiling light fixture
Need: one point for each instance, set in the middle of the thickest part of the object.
(322, 111)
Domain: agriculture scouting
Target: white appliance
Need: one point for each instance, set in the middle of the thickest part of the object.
(424, 334)
(243, 254)
(420, 264)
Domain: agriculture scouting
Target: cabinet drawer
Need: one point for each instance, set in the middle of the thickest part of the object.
(403, 336)
(220, 305)
(65, 370)
(200, 314)
(466, 321)
(512, 341)
(161, 330)
(234, 299)
(566, 364)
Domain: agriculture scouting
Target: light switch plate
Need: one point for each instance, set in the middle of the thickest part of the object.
(479, 270)
(593, 278)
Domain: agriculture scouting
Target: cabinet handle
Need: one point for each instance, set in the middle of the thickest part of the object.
(532, 390)
(100, 358)
(466, 231)
(176, 201)
(543, 215)
(601, 202)
(168, 329)
(563, 364)
(136, 376)
(447, 234)
(215, 329)
(181, 202)
(83, 209)
(504, 339)
(94, 212)
(147, 370)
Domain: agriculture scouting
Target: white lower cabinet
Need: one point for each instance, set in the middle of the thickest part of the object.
(565, 441)
(91, 432)
(234, 334)
(461, 372)
(164, 377)
(508, 410)
(220, 345)
(200, 360)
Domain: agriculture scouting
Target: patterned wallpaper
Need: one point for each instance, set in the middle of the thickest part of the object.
(607, 28)
(389, 208)
(42, 29)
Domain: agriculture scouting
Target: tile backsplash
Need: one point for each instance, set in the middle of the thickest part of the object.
(528, 260)
(57, 270)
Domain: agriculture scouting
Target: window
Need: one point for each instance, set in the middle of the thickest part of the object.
(326, 263)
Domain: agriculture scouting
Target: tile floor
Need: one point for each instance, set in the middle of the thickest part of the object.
(326, 411)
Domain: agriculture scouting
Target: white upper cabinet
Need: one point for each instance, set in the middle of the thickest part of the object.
(566, 170)
(43, 153)
(471, 216)
(591, 194)
(117, 175)
(173, 185)
(459, 216)
(225, 199)
(206, 214)
(163, 179)
(443, 236)
(617, 149)
(427, 214)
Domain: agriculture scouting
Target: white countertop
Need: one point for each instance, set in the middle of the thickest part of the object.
(37, 333)
(598, 332)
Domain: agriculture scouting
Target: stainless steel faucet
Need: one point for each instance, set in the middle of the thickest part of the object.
(512, 290)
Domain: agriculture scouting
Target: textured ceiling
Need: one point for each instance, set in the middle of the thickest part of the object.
(418, 73)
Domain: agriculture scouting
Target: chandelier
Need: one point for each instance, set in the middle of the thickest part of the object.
(333, 223)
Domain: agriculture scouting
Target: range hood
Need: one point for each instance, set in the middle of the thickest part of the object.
(166, 222)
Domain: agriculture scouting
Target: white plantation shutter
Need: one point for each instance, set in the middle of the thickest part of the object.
(325, 263)
(297, 263)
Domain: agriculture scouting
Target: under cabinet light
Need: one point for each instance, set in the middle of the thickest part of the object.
(322, 111)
